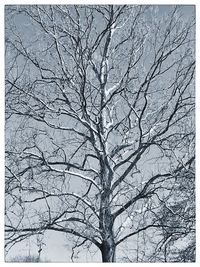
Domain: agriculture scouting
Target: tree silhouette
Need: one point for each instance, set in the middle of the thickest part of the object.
(99, 124)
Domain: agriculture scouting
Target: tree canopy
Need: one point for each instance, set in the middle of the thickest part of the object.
(100, 128)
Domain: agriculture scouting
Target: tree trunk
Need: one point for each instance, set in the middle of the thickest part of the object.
(106, 226)
(106, 219)
(108, 251)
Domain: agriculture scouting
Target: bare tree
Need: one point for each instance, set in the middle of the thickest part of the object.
(99, 125)
(177, 242)
(179, 210)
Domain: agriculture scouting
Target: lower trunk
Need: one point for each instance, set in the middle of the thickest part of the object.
(108, 251)
(106, 219)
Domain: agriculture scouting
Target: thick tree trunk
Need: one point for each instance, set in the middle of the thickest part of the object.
(106, 219)
(108, 251)
(106, 226)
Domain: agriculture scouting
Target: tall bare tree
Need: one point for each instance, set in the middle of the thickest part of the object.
(99, 125)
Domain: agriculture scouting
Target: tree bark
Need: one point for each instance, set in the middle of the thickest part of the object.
(106, 226)
(108, 250)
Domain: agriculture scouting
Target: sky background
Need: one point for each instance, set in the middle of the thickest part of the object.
(55, 248)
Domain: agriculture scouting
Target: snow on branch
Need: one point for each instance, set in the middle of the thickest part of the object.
(77, 175)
